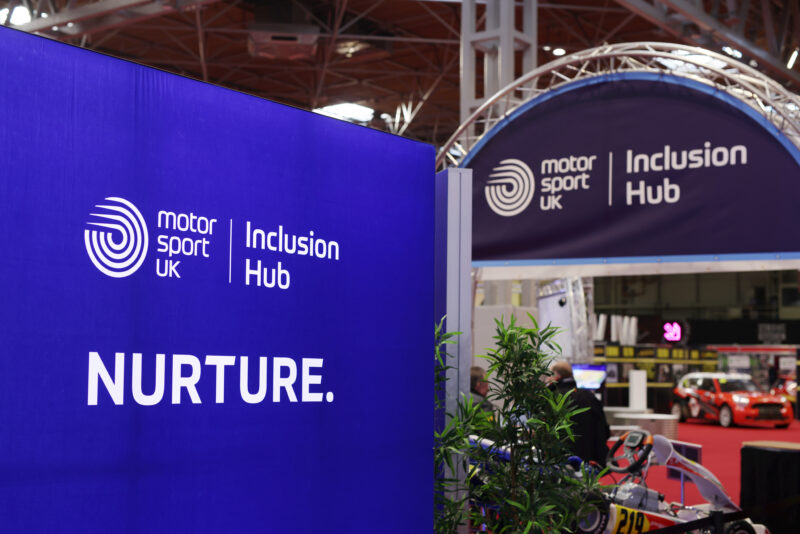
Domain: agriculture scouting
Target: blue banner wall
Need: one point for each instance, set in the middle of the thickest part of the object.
(633, 167)
(193, 329)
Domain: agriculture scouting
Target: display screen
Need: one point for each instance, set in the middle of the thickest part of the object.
(589, 376)
(634, 439)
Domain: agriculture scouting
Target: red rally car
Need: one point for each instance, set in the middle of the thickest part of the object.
(786, 387)
(730, 399)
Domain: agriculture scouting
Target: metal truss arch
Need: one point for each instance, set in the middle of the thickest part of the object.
(764, 95)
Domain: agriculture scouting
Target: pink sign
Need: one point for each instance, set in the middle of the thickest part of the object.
(672, 331)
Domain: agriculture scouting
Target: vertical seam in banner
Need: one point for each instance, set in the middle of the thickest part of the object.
(230, 250)
(610, 174)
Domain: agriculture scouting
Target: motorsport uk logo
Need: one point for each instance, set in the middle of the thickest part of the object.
(511, 188)
(117, 242)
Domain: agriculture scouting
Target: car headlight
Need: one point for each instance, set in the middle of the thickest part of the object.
(741, 400)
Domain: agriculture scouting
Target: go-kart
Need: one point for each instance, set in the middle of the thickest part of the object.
(632, 508)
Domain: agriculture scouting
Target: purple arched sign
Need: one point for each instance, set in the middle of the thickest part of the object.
(634, 166)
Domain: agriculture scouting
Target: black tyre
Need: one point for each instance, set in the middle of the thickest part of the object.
(679, 410)
(740, 527)
(782, 426)
(595, 515)
(725, 416)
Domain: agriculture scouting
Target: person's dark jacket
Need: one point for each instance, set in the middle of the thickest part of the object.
(590, 428)
(482, 401)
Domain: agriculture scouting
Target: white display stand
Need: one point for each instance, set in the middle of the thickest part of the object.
(655, 423)
(637, 390)
(454, 210)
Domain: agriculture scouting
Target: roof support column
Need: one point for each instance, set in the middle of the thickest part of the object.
(496, 39)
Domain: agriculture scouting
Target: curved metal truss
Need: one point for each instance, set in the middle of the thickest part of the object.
(767, 97)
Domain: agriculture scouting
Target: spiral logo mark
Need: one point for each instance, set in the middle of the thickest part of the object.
(512, 189)
(119, 246)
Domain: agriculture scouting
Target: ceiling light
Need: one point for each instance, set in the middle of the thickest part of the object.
(732, 52)
(546, 48)
(792, 59)
(348, 112)
(559, 51)
(349, 48)
(19, 16)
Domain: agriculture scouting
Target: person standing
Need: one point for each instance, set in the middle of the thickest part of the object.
(591, 428)
(479, 387)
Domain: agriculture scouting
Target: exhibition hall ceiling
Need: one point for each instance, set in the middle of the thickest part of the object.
(400, 58)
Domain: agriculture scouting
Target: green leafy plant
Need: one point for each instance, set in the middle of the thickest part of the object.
(450, 444)
(517, 475)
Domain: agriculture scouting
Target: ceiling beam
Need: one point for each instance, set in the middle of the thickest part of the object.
(201, 44)
(360, 16)
(356, 36)
(449, 27)
(654, 14)
(723, 34)
(567, 26)
(106, 15)
(618, 27)
(340, 9)
(81, 13)
(769, 26)
(542, 5)
(409, 118)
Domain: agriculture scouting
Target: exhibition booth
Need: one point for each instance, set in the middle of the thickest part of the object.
(668, 147)
(189, 339)
(639, 159)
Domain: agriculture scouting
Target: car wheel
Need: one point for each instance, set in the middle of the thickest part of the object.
(782, 426)
(740, 527)
(677, 410)
(725, 416)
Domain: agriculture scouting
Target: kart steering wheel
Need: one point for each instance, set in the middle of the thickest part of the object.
(638, 444)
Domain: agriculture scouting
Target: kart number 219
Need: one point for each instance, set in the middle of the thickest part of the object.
(630, 521)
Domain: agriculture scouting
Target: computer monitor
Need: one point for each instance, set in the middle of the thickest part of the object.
(589, 376)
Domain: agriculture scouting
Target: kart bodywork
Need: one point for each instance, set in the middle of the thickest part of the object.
(633, 508)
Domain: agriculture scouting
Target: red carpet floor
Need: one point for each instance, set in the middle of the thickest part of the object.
(721, 454)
